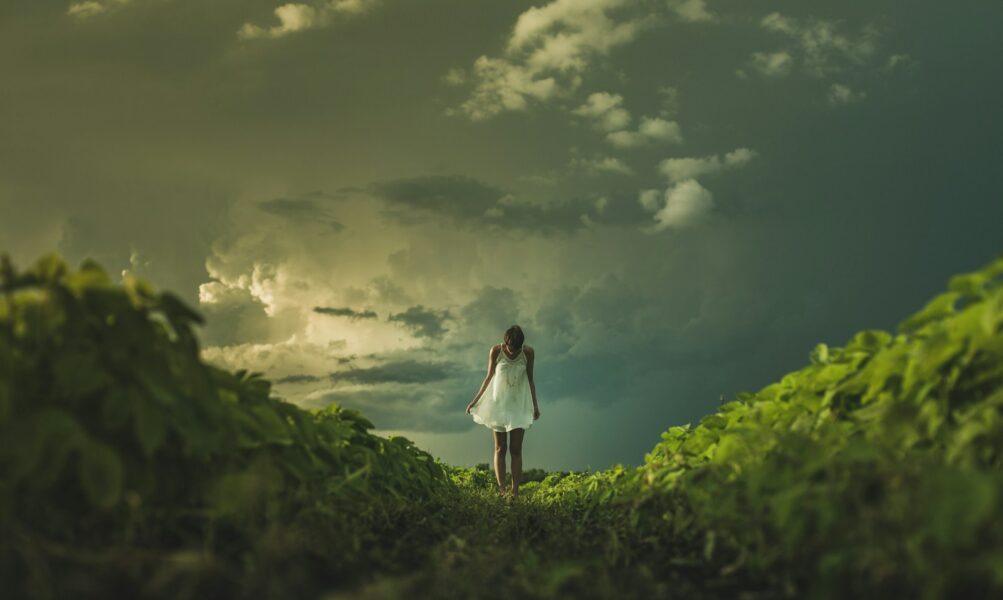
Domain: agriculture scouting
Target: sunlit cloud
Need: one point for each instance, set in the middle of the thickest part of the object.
(605, 110)
(691, 10)
(840, 95)
(548, 52)
(296, 17)
(685, 203)
(681, 169)
(93, 8)
(650, 130)
(605, 164)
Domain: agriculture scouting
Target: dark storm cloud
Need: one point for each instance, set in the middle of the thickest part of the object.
(467, 200)
(300, 210)
(344, 311)
(422, 322)
(299, 378)
(415, 409)
(401, 371)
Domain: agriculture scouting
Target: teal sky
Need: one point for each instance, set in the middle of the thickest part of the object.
(676, 199)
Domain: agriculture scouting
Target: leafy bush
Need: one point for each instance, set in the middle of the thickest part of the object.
(123, 449)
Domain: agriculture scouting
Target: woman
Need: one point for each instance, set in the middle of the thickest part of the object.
(510, 408)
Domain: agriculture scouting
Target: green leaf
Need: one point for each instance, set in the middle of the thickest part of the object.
(115, 408)
(869, 341)
(177, 310)
(5, 402)
(968, 284)
(79, 374)
(820, 355)
(941, 306)
(274, 428)
(101, 474)
(50, 267)
(149, 424)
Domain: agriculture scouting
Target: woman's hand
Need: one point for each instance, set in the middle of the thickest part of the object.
(536, 412)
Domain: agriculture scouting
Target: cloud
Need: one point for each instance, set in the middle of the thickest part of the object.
(669, 101)
(547, 54)
(606, 164)
(299, 378)
(605, 110)
(840, 95)
(421, 321)
(303, 210)
(403, 371)
(772, 64)
(455, 76)
(899, 61)
(822, 49)
(291, 356)
(651, 129)
(87, 9)
(685, 205)
(402, 408)
(691, 10)
(344, 311)
(460, 196)
(468, 200)
(681, 169)
(295, 17)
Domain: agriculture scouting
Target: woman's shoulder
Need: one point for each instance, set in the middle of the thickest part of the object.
(528, 349)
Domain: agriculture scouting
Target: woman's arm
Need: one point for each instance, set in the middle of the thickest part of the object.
(492, 353)
(530, 359)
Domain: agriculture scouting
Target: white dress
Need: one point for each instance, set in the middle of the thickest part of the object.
(507, 403)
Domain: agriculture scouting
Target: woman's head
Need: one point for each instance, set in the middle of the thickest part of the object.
(514, 337)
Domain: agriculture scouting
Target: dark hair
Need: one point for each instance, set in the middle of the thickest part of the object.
(514, 337)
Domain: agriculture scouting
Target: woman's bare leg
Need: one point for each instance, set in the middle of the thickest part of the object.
(515, 436)
(500, 446)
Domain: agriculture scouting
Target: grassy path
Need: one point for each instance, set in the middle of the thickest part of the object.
(528, 548)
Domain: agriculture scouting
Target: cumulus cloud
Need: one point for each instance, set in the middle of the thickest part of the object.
(691, 10)
(822, 49)
(605, 110)
(86, 9)
(686, 203)
(840, 95)
(772, 64)
(683, 205)
(899, 61)
(295, 17)
(681, 169)
(605, 164)
(650, 130)
(547, 54)
(669, 96)
(293, 355)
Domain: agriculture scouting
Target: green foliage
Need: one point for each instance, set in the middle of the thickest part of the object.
(874, 471)
(120, 442)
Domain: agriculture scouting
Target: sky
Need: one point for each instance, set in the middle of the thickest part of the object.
(675, 199)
